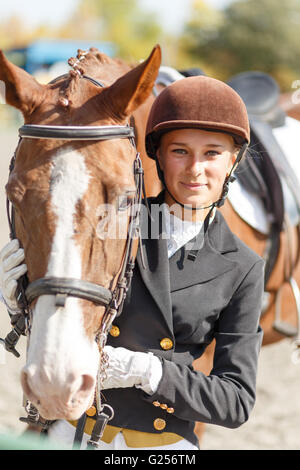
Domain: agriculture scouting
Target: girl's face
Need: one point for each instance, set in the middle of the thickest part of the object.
(195, 164)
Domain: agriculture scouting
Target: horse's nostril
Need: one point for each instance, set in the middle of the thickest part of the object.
(87, 383)
(84, 388)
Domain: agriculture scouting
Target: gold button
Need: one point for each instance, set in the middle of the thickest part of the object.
(159, 424)
(115, 331)
(156, 403)
(166, 344)
(91, 411)
(170, 410)
(164, 406)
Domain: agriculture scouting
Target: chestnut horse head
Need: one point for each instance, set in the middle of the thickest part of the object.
(60, 190)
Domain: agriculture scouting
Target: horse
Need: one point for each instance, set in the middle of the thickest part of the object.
(75, 156)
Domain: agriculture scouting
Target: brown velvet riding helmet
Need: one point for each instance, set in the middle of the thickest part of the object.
(197, 102)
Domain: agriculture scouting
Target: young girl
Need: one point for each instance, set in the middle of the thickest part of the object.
(197, 282)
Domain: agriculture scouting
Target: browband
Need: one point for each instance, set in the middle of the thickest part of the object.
(36, 131)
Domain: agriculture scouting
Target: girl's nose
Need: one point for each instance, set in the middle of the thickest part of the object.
(196, 167)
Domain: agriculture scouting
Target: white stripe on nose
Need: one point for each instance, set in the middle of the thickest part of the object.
(60, 356)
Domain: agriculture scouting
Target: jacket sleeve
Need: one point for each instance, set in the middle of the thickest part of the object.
(227, 395)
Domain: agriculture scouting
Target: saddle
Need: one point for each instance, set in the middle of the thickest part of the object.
(267, 171)
(272, 176)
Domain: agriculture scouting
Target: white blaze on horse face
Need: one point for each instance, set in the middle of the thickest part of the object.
(60, 353)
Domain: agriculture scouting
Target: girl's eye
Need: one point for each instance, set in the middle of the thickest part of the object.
(212, 153)
(179, 151)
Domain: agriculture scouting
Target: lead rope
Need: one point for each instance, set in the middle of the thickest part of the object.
(103, 416)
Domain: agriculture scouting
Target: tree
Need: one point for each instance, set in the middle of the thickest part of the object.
(133, 31)
(252, 35)
(201, 28)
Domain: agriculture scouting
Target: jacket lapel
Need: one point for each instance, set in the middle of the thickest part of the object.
(210, 261)
(155, 273)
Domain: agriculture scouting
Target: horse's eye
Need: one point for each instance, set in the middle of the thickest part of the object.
(124, 202)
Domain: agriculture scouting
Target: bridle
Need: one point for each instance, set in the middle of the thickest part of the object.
(62, 288)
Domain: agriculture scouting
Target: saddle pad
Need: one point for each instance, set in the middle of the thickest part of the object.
(287, 137)
(249, 207)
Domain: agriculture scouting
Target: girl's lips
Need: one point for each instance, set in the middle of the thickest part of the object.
(194, 186)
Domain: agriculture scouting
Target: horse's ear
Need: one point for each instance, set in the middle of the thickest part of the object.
(133, 88)
(21, 89)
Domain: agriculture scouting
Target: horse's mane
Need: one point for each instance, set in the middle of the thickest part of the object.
(90, 62)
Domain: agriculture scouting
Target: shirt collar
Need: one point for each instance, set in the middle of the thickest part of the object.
(178, 231)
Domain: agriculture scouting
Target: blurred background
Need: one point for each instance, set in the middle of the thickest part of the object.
(221, 37)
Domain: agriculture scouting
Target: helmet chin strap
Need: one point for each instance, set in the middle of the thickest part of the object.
(229, 179)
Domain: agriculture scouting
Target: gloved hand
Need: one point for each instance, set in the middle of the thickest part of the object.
(11, 269)
(128, 368)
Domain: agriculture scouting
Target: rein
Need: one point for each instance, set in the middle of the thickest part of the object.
(62, 288)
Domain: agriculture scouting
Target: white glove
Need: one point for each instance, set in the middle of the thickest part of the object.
(128, 368)
(11, 269)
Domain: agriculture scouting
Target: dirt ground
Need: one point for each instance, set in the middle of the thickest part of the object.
(274, 423)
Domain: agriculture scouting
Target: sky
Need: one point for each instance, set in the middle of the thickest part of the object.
(172, 12)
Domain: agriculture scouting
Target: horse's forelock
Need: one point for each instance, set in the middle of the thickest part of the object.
(88, 61)
(93, 62)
